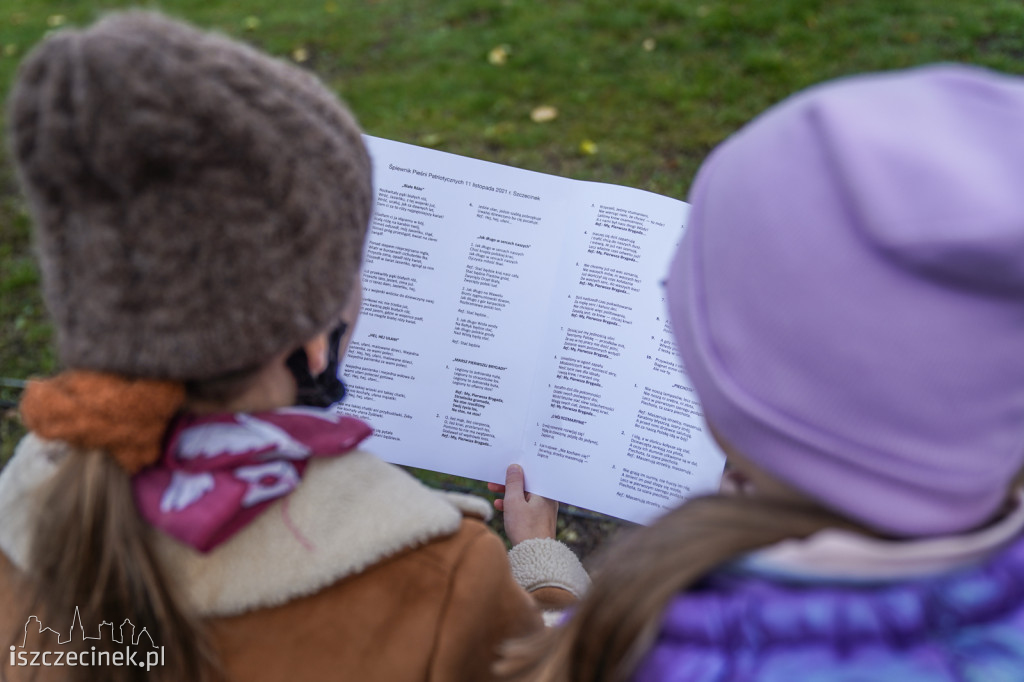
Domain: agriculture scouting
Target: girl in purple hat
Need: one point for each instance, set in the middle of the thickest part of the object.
(848, 301)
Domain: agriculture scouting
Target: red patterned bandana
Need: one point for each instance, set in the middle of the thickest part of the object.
(219, 471)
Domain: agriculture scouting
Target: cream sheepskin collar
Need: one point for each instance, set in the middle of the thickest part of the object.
(348, 514)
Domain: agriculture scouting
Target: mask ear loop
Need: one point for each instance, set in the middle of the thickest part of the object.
(329, 380)
(326, 388)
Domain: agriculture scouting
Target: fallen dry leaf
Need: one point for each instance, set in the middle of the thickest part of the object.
(543, 114)
(498, 55)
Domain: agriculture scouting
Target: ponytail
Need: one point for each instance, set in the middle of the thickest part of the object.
(91, 551)
(616, 623)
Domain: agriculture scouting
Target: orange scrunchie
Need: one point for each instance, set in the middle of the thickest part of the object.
(124, 417)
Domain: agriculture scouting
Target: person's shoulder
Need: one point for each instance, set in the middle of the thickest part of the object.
(847, 625)
(429, 605)
(473, 537)
(23, 480)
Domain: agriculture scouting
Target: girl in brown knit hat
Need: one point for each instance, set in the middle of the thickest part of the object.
(200, 213)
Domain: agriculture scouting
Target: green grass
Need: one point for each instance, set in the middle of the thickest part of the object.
(654, 84)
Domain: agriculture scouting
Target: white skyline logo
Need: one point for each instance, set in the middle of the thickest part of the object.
(127, 627)
(137, 647)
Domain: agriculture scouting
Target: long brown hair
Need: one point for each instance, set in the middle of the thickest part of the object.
(91, 551)
(615, 624)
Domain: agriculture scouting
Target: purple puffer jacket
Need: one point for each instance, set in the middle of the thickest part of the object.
(963, 626)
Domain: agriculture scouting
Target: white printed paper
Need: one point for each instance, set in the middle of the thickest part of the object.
(513, 316)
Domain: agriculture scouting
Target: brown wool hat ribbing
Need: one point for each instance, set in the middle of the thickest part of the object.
(199, 206)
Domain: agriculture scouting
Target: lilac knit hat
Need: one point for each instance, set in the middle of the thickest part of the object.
(849, 297)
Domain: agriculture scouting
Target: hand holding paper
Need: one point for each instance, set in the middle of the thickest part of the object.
(527, 516)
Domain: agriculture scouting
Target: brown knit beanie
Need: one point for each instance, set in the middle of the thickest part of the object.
(199, 206)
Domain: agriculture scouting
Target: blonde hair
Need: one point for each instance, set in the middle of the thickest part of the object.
(92, 551)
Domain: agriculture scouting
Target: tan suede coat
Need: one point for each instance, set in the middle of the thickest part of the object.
(435, 613)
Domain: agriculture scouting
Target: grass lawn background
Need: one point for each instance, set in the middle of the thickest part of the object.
(643, 88)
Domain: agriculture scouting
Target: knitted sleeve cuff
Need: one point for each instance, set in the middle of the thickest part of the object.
(543, 562)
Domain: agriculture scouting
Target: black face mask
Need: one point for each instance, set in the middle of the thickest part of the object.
(325, 388)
